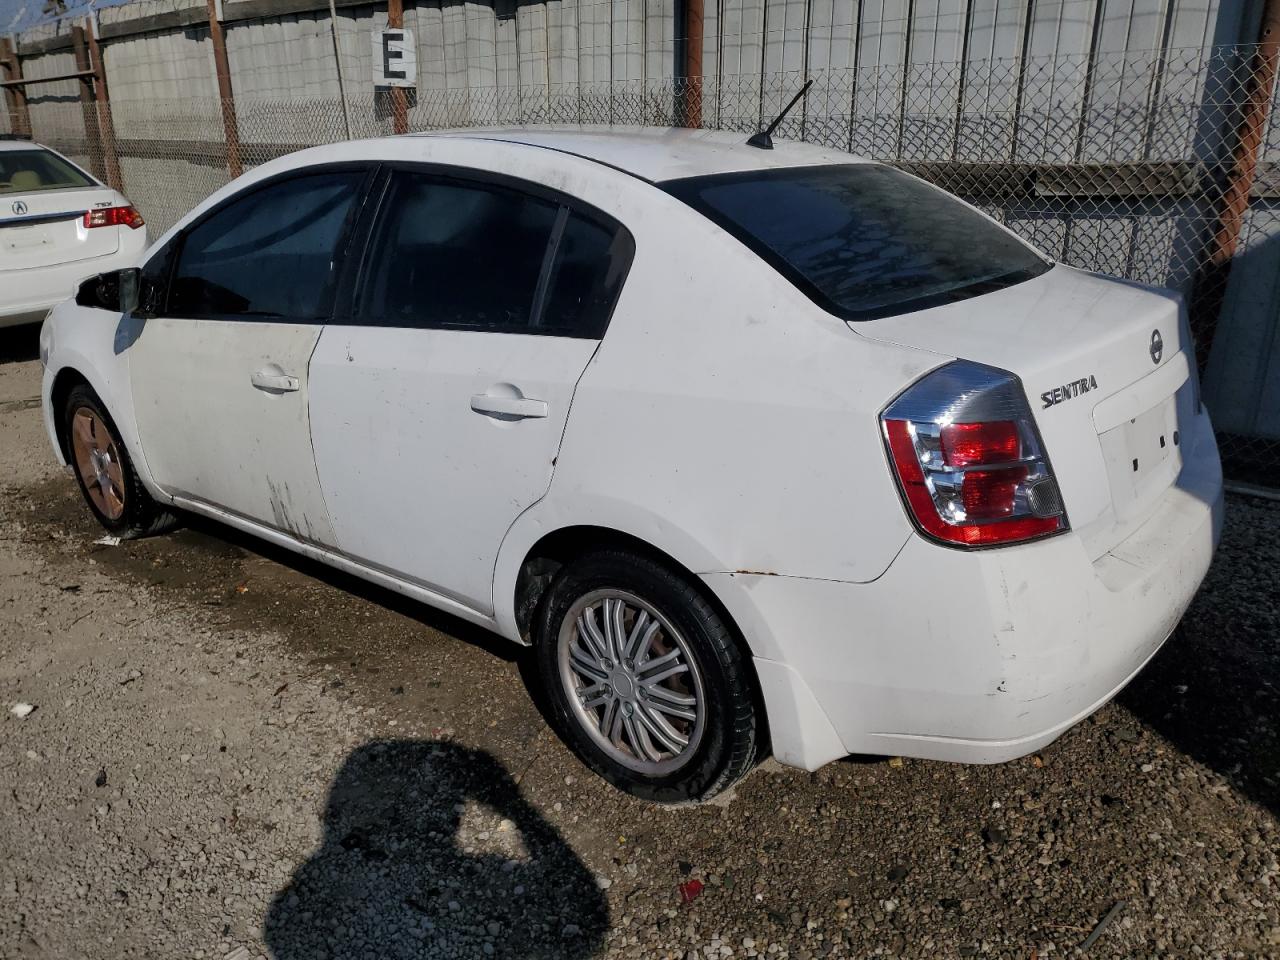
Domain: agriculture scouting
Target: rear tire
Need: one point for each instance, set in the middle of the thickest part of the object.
(645, 681)
(108, 481)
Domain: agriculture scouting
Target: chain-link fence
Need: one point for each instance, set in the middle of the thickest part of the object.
(1157, 167)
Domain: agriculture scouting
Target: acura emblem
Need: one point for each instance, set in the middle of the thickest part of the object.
(19, 207)
(1157, 346)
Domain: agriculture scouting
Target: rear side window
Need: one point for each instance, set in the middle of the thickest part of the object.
(454, 254)
(466, 254)
(26, 171)
(586, 276)
(861, 240)
(267, 254)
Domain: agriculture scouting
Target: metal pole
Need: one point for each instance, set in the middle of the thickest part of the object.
(1210, 288)
(230, 127)
(962, 82)
(16, 96)
(399, 102)
(337, 59)
(91, 132)
(906, 78)
(102, 106)
(1023, 57)
(857, 70)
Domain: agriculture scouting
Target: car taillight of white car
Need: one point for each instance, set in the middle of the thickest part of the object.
(969, 460)
(118, 216)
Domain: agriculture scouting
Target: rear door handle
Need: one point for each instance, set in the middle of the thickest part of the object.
(516, 408)
(273, 380)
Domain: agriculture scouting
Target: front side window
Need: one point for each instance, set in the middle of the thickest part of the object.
(26, 171)
(472, 255)
(269, 254)
(862, 240)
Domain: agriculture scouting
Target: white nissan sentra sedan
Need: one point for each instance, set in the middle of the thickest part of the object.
(58, 225)
(759, 449)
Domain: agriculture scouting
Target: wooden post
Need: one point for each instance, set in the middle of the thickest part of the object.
(102, 107)
(693, 28)
(1210, 290)
(399, 101)
(92, 133)
(15, 97)
(230, 127)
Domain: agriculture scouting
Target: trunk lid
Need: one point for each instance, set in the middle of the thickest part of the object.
(45, 228)
(1107, 375)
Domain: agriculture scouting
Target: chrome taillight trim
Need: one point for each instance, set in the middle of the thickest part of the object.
(963, 391)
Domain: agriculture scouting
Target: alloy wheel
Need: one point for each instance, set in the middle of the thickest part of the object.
(632, 681)
(97, 459)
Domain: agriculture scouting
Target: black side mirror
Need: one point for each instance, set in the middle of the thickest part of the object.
(116, 291)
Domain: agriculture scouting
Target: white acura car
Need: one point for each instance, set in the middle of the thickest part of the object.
(759, 448)
(58, 226)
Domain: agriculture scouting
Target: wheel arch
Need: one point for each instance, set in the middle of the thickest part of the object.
(107, 381)
(64, 381)
(559, 547)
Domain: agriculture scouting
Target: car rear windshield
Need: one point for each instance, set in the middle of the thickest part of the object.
(25, 171)
(862, 240)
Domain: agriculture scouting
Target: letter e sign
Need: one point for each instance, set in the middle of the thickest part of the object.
(395, 59)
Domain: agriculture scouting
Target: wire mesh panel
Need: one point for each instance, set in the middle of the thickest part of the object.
(1120, 163)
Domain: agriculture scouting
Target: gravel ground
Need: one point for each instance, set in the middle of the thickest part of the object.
(234, 753)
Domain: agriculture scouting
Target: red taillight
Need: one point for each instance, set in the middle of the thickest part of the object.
(977, 482)
(991, 494)
(127, 216)
(970, 444)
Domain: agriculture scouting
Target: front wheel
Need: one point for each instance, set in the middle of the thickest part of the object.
(645, 680)
(104, 471)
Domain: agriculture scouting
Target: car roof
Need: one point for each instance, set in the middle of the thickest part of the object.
(659, 153)
(8, 145)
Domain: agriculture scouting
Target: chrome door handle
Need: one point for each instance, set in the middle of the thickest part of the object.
(514, 408)
(271, 381)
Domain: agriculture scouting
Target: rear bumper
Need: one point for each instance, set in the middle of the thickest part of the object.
(32, 293)
(982, 656)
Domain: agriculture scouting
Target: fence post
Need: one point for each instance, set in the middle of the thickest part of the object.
(91, 132)
(337, 62)
(102, 107)
(15, 96)
(230, 127)
(399, 101)
(692, 67)
(1210, 289)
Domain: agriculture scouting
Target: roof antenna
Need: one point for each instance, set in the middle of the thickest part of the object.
(764, 139)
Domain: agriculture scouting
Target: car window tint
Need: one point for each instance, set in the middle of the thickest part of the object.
(268, 254)
(451, 253)
(863, 241)
(26, 171)
(590, 264)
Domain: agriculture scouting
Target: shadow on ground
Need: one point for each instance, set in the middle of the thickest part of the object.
(429, 849)
(1214, 690)
(19, 344)
(212, 538)
(203, 555)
